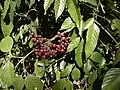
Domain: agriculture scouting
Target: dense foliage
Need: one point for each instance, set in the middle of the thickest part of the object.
(59, 45)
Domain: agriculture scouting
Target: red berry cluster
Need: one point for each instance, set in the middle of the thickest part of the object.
(45, 48)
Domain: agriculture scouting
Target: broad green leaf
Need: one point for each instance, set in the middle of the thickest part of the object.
(67, 24)
(6, 29)
(74, 11)
(69, 85)
(117, 57)
(18, 83)
(96, 57)
(66, 71)
(59, 85)
(93, 2)
(87, 66)
(111, 80)
(74, 35)
(57, 75)
(91, 39)
(47, 4)
(75, 74)
(1, 8)
(6, 7)
(7, 74)
(31, 44)
(73, 44)
(12, 9)
(59, 7)
(116, 24)
(18, 3)
(39, 71)
(31, 3)
(88, 23)
(78, 54)
(33, 83)
(62, 64)
(6, 44)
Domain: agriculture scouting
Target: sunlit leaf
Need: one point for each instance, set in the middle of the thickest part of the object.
(73, 44)
(59, 7)
(111, 80)
(74, 11)
(31, 3)
(87, 66)
(7, 73)
(91, 39)
(33, 83)
(75, 74)
(78, 54)
(69, 85)
(6, 44)
(116, 24)
(47, 4)
(18, 83)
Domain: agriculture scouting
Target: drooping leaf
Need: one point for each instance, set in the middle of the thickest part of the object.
(59, 85)
(75, 74)
(69, 85)
(91, 39)
(116, 24)
(59, 7)
(6, 7)
(117, 57)
(33, 83)
(31, 3)
(73, 44)
(88, 23)
(78, 54)
(6, 29)
(47, 4)
(111, 80)
(74, 11)
(96, 57)
(66, 71)
(87, 66)
(7, 73)
(6, 44)
(18, 83)
(93, 2)
(67, 24)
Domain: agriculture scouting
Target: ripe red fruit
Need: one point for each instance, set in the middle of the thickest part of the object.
(59, 41)
(41, 50)
(37, 56)
(62, 34)
(43, 57)
(54, 45)
(62, 50)
(63, 38)
(58, 33)
(58, 46)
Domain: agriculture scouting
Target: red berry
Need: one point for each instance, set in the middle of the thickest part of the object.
(37, 56)
(62, 34)
(41, 50)
(58, 33)
(43, 57)
(59, 41)
(54, 45)
(36, 53)
(62, 50)
(58, 46)
(63, 38)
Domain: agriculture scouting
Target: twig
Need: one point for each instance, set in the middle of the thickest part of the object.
(107, 32)
(22, 60)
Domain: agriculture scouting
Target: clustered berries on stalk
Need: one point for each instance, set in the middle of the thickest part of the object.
(46, 48)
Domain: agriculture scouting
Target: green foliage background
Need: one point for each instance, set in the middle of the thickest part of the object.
(92, 59)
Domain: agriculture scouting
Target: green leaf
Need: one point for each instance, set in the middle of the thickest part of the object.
(6, 7)
(67, 24)
(18, 3)
(117, 57)
(6, 29)
(1, 8)
(75, 74)
(66, 71)
(88, 23)
(6, 44)
(62, 64)
(39, 71)
(69, 85)
(18, 83)
(96, 57)
(59, 85)
(87, 66)
(91, 39)
(57, 75)
(93, 2)
(73, 44)
(7, 74)
(115, 24)
(74, 11)
(59, 7)
(31, 3)
(78, 54)
(47, 4)
(33, 83)
(111, 80)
